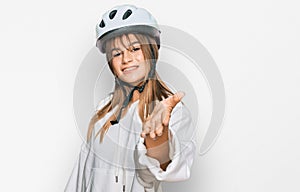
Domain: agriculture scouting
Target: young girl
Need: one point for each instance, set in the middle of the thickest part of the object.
(141, 134)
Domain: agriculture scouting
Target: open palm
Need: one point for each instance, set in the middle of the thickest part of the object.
(160, 117)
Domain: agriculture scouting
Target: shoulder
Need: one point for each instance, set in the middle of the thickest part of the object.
(103, 102)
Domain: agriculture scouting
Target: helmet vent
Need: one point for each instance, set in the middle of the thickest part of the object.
(102, 24)
(127, 14)
(112, 14)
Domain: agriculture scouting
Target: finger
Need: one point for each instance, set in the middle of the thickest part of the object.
(152, 123)
(158, 126)
(152, 134)
(166, 118)
(177, 97)
(146, 129)
(146, 126)
(143, 134)
(159, 130)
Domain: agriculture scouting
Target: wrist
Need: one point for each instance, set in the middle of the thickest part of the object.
(159, 152)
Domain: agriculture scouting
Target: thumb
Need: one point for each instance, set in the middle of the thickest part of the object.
(178, 96)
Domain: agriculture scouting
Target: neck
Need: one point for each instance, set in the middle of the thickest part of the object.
(135, 96)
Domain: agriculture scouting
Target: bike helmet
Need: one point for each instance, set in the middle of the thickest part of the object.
(125, 19)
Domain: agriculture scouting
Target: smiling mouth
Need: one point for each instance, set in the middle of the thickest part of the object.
(128, 69)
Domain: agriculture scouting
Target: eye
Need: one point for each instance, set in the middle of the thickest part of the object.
(116, 54)
(136, 48)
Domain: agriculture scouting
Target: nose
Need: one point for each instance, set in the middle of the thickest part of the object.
(127, 56)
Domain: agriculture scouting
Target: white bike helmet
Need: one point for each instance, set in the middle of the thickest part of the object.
(124, 19)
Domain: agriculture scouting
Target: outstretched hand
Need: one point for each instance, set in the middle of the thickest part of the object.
(160, 117)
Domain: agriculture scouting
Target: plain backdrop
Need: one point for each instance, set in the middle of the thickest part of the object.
(256, 45)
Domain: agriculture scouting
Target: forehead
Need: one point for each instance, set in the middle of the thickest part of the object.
(124, 41)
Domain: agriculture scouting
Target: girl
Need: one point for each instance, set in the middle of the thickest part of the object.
(141, 134)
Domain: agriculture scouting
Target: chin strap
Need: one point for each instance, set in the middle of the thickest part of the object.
(127, 100)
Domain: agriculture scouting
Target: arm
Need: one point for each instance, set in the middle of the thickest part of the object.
(181, 145)
(159, 148)
(156, 131)
(80, 176)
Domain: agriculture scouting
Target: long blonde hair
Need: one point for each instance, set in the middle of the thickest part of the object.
(154, 90)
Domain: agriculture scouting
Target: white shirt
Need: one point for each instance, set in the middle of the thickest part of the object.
(120, 162)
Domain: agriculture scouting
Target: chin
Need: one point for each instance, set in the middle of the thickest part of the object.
(135, 83)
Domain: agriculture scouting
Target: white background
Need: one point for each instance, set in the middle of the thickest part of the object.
(255, 44)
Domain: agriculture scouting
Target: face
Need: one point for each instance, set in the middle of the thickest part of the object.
(128, 60)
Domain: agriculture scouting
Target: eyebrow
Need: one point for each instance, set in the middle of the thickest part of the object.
(131, 44)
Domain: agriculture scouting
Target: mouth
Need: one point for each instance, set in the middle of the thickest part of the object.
(130, 68)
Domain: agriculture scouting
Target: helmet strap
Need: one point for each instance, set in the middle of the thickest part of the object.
(128, 97)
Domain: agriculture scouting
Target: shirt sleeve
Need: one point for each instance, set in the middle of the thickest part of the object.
(182, 151)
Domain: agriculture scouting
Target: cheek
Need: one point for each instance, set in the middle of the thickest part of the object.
(140, 57)
(146, 67)
(115, 67)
